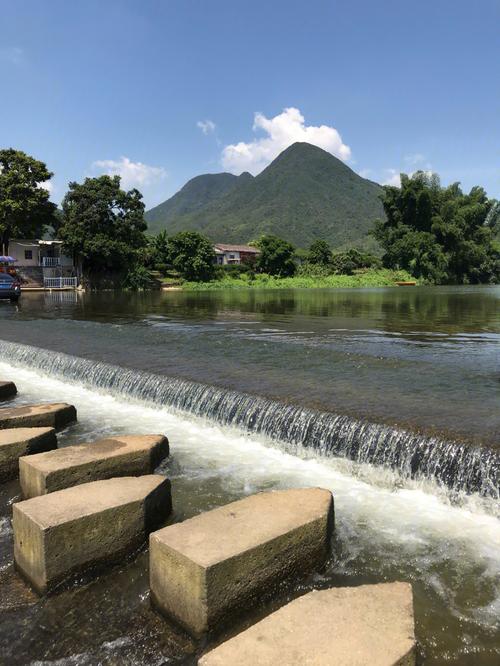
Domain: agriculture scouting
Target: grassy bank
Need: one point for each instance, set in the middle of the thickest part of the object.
(368, 278)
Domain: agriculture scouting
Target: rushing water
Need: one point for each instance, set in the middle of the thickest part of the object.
(388, 397)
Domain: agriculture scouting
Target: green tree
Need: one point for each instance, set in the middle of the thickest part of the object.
(439, 234)
(276, 256)
(103, 225)
(138, 278)
(192, 255)
(25, 209)
(345, 263)
(319, 253)
(156, 253)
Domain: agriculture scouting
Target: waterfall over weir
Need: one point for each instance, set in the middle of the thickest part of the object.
(458, 466)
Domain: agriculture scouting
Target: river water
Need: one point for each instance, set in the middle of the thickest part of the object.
(388, 397)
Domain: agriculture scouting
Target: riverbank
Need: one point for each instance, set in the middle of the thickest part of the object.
(368, 278)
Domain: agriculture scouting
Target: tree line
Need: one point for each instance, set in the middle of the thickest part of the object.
(440, 235)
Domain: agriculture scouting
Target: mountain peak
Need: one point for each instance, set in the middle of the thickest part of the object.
(304, 194)
(301, 150)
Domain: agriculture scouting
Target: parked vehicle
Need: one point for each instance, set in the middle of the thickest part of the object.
(10, 287)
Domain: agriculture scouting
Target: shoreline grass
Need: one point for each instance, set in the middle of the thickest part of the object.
(369, 278)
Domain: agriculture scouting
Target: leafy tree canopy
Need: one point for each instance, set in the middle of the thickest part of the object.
(319, 253)
(439, 234)
(156, 253)
(276, 256)
(192, 255)
(345, 263)
(25, 209)
(103, 224)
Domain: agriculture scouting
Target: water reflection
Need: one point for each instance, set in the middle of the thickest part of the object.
(419, 357)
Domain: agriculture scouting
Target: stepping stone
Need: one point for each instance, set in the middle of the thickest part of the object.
(346, 626)
(56, 415)
(75, 529)
(208, 568)
(17, 442)
(118, 456)
(7, 390)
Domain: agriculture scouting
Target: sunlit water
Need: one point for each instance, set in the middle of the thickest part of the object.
(388, 526)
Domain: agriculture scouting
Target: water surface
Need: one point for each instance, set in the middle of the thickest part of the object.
(422, 359)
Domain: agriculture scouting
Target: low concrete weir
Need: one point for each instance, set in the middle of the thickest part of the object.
(129, 455)
(75, 529)
(206, 569)
(17, 442)
(56, 415)
(459, 466)
(7, 390)
(347, 626)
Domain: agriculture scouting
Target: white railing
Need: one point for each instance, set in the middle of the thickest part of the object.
(60, 283)
(50, 262)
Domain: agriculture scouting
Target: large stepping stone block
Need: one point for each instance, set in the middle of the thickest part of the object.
(76, 529)
(204, 570)
(56, 415)
(346, 626)
(17, 442)
(118, 456)
(7, 390)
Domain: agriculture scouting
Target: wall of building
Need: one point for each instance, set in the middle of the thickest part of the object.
(30, 253)
(21, 250)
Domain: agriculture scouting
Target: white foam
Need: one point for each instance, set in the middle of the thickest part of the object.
(374, 507)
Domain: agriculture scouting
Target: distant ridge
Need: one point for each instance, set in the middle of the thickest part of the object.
(304, 194)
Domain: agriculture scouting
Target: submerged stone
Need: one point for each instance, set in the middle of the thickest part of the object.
(72, 530)
(17, 442)
(56, 415)
(217, 564)
(72, 465)
(7, 390)
(346, 626)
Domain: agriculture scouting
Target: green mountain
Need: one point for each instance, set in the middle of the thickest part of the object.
(304, 194)
(195, 194)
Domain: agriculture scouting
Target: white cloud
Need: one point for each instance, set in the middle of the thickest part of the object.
(391, 177)
(207, 126)
(46, 185)
(282, 130)
(12, 54)
(415, 158)
(365, 173)
(132, 174)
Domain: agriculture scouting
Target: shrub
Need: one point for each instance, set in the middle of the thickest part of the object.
(276, 256)
(345, 263)
(138, 278)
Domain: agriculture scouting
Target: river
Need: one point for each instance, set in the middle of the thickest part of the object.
(389, 397)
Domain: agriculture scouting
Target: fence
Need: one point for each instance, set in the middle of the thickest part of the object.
(50, 262)
(60, 282)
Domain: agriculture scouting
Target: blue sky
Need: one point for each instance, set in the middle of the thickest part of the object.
(160, 91)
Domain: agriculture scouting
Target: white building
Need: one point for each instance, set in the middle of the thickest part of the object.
(235, 254)
(43, 264)
(44, 253)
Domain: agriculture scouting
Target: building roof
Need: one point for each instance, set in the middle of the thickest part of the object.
(35, 242)
(224, 247)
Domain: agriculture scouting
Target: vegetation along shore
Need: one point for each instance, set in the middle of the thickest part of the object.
(420, 232)
(381, 277)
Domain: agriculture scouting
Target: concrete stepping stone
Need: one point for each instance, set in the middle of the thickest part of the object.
(72, 530)
(17, 442)
(129, 455)
(7, 390)
(56, 415)
(346, 626)
(208, 568)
